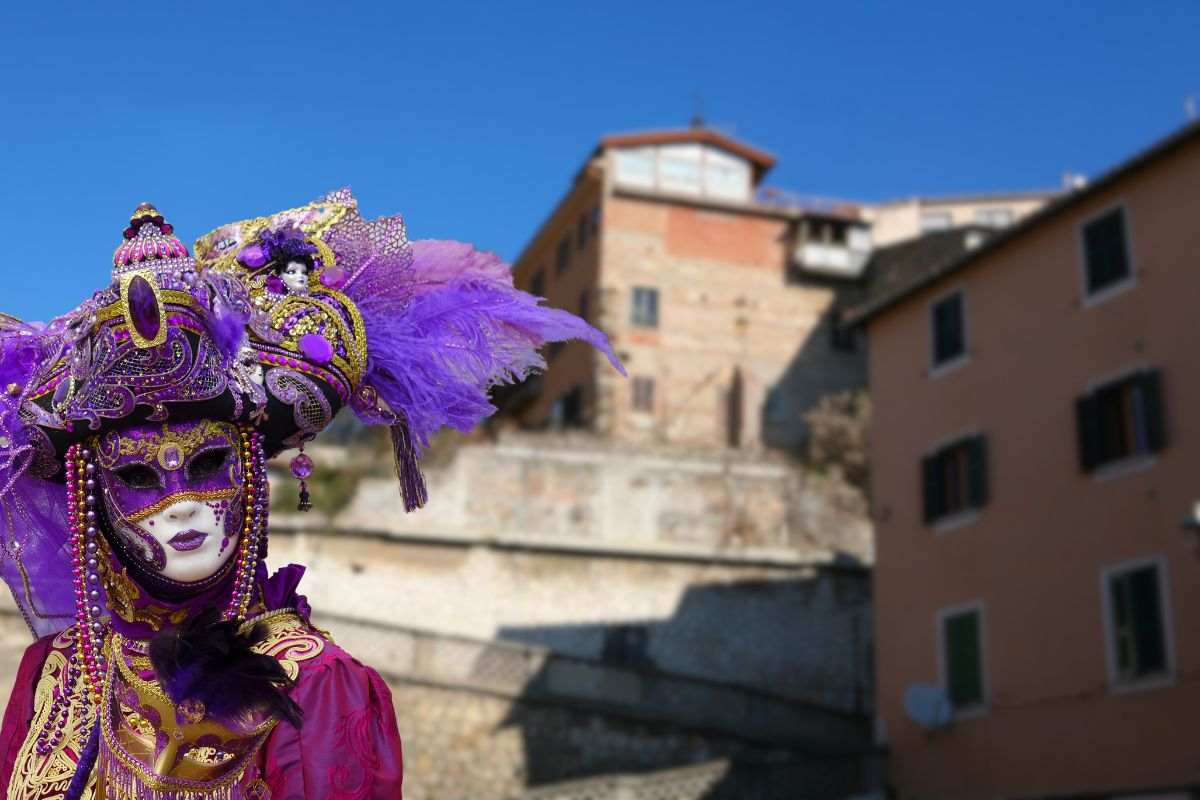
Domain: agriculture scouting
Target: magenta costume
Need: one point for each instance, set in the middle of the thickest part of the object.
(134, 436)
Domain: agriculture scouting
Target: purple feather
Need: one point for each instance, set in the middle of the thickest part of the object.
(435, 360)
(229, 313)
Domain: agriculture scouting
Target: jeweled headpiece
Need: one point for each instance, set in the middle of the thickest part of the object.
(277, 323)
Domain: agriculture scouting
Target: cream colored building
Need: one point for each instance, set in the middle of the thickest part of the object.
(897, 220)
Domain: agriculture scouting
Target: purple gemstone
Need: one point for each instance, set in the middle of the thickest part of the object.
(316, 348)
(171, 458)
(302, 466)
(334, 277)
(61, 392)
(274, 284)
(253, 256)
(143, 308)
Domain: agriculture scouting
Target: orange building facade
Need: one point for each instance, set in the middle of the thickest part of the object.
(1035, 446)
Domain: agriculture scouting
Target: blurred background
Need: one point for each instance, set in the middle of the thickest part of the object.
(900, 497)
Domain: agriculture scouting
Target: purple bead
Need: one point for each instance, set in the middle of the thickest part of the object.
(302, 466)
(274, 284)
(316, 348)
(143, 308)
(253, 256)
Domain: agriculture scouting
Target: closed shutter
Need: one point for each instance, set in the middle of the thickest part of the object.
(977, 472)
(1156, 429)
(1087, 417)
(931, 479)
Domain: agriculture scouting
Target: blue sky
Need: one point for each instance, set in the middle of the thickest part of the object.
(470, 119)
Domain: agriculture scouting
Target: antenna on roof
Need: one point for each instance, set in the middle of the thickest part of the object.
(697, 110)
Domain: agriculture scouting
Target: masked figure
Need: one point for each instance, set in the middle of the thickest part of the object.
(134, 435)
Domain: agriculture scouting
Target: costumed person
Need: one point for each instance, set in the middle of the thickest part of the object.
(134, 436)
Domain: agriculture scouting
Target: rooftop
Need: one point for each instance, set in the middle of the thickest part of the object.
(761, 159)
(911, 280)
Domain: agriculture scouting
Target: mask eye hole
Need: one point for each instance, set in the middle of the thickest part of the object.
(208, 463)
(138, 476)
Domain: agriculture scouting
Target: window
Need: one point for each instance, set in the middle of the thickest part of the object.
(994, 217)
(955, 479)
(1137, 629)
(537, 286)
(1106, 252)
(594, 221)
(935, 221)
(1121, 420)
(643, 394)
(584, 310)
(562, 258)
(645, 307)
(949, 330)
(962, 658)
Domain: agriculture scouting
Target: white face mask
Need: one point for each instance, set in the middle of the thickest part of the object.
(295, 277)
(187, 538)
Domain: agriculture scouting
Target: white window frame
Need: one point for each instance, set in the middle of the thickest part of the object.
(931, 213)
(1092, 299)
(979, 607)
(937, 370)
(1117, 684)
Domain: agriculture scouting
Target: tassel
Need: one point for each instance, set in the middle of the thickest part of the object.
(87, 760)
(408, 470)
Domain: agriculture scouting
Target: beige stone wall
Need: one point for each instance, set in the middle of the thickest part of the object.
(1035, 555)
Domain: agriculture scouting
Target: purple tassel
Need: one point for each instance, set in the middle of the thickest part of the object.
(228, 315)
(87, 760)
(408, 470)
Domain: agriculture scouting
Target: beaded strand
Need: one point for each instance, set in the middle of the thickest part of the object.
(81, 511)
(255, 495)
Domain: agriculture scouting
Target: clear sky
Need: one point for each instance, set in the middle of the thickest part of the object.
(470, 119)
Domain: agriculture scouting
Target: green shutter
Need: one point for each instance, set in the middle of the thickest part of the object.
(932, 489)
(977, 472)
(1091, 434)
(1156, 429)
(964, 661)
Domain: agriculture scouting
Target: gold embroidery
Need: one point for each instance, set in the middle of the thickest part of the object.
(288, 640)
(45, 777)
(123, 595)
(151, 446)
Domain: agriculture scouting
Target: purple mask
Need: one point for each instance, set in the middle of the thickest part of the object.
(172, 492)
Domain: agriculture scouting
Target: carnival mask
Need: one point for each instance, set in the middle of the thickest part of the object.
(171, 492)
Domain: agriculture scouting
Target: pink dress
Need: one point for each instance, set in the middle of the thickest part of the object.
(347, 749)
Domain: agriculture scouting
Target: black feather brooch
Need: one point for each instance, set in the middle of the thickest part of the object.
(207, 668)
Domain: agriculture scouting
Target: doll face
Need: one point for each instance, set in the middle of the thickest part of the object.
(173, 494)
(295, 277)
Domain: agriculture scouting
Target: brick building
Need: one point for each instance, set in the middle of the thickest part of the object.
(718, 294)
(1034, 450)
(661, 243)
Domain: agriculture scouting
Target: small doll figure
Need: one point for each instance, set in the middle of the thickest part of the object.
(168, 663)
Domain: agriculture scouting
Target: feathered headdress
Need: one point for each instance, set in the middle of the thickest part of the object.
(277, 323)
